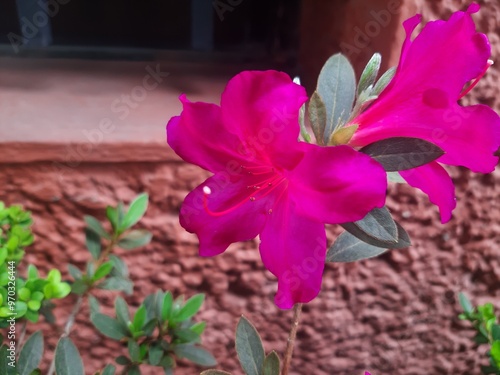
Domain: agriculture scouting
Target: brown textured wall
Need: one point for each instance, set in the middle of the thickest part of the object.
(392, 315)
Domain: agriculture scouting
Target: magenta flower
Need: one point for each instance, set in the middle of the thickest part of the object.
(267, 183)
(421, 102)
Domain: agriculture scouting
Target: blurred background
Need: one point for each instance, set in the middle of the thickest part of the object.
(86, 88)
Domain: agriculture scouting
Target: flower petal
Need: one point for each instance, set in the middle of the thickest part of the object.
(433, 180)
(293, 248)
(243, 219)
(262, 109)
(422, 98)
(199, 137)
(337, 184)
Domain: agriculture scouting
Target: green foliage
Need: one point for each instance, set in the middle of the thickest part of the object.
(23, 298)
(159, 332)
(31, 354)
(485, 322)
(250, 351)
(67, 358)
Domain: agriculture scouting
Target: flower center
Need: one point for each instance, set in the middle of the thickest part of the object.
(267, 181)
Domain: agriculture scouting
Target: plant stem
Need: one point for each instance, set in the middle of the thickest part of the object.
(297, 309)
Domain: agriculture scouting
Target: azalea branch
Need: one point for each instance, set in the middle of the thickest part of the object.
(297, 310)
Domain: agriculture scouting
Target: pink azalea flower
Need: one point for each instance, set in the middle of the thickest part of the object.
(421, 102)
(267, 183)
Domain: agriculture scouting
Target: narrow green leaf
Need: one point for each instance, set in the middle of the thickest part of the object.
(377, 224)
(133, 350)
(93, 242)
(348, 248)
(337, 88)
(95, 225)
(166, 310)
(112, 215)
(74, 272)
(7, 364)
(136, 210)
(198, 328)
(108, 326)
(94, 305)
(186, 335)
(67, 358)
(249, 347)
(31, 354)
(155, 354)
(317, 117)
(495, 332)
(191, 307)
(302, 121)
(139, 318)
(195, 354)
(465, 303)
(272, 364)
(103, 270)
(121, 309)
(383, 82)
(109, 370)
(495, 352)
(402, 153)
(119, 266)
(402, 242)
(117, 283)
(370, 73)
(135, 239)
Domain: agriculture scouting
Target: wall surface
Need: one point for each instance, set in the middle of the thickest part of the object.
(393, 315)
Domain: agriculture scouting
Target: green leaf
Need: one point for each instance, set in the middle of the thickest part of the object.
(302, 121)
(93, 242)
(103, 270)
(272, 364)
(166, 310)
(32, 272)
(348, 248)
(383, 82)
(186, 335)
(133, 349)
(117, 283)
(74, 272)
(198, 328)
(122, 360)
(5, 362)
(139, 318)
(495, 332)
(191, 307)
(377, 224)
(135, 239)
(215, 372)
(402, 242)
(109, 370)
(136, 211)
(112, 215)
(337, 88)
(317, 117)
(395, 177)
(155, 354)
(121, 309)
(108, 326)
(195, 354)
(465, 303)
(495, 352)
(119, 266)
(370, 73)
(67, 358)
(402, 153)
(134, 370)
(95, 225)
(249, 347)
(94, 305)
(31, 354)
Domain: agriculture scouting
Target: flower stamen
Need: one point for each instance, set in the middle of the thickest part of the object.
(476, 81)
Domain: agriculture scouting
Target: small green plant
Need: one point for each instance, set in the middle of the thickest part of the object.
(484, 320)
(160, 332)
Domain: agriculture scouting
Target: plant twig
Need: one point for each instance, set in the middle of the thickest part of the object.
(297, 309)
